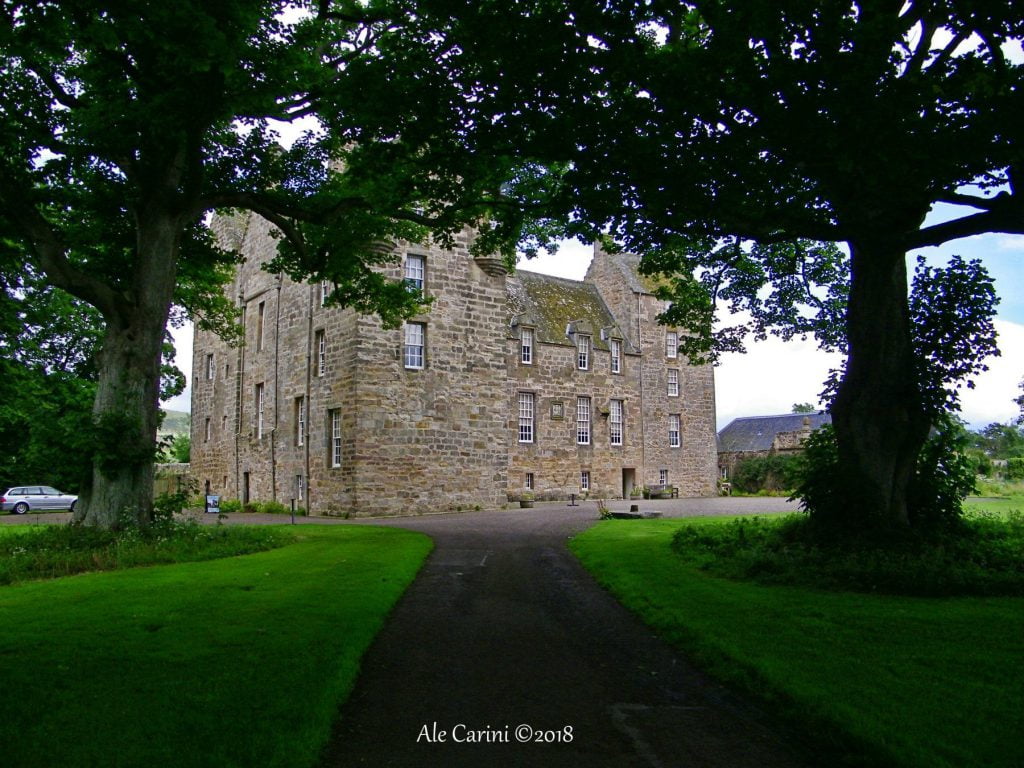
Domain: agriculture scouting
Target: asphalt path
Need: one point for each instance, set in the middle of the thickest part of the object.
(504, 651)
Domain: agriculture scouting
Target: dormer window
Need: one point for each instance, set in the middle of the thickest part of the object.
(615, 347)
(583, 352)
(526, 346)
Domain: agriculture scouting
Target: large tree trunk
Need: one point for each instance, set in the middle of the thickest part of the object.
(125, 413)
(877, 414)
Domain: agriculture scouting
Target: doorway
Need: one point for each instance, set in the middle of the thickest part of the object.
(628, 481)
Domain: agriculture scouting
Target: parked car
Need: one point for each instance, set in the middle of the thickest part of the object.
(23, 498)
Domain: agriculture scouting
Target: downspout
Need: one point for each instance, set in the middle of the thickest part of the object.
(277, 395)
(643, 408)
(239, 390)
(308, 401)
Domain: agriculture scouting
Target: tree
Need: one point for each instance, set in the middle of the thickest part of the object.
(123, 125)
(804, 408)
(751, 128)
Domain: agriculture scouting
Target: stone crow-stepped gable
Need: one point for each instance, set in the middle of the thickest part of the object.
(354, 422)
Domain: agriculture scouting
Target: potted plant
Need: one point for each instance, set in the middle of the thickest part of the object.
(636, 492)
(526, 500)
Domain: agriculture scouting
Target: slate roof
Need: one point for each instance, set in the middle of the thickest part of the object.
(629, 265)
(550, 305)
(756, 433)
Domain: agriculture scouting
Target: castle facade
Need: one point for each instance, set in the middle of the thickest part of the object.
(509, 386)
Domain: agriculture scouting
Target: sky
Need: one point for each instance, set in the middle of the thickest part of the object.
(773, 375)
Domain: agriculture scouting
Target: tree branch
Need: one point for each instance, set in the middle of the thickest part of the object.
(1007, 216)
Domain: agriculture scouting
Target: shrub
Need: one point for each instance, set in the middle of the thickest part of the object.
(1015, 469)
(982, 558)
(230, 506)
(765, 473)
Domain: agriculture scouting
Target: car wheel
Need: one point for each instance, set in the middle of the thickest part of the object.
(20, 508)
(72, 507)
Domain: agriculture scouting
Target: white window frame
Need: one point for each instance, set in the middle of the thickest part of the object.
(300, 487)
(334, 425)
(583, 352)
(300, 420)
(207, 430)
(615, 348)
(583, 420)
(527, 412)
(616, 421)
(529, 482)
(671, 344)
(584, 480)
(210, 367)
(260, 405)
(414, 350)
(663, 477)
(673, 382)
(675, 428)
(416, 272)
(321, 353)
(526, 344)
(324, 293)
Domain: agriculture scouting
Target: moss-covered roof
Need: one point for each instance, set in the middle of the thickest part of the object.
(629, 265)
(551, 305)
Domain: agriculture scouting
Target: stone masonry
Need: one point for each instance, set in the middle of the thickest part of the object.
(325, 406)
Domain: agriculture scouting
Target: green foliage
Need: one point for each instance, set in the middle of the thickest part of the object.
(803, 408)
(53, 551)
(267, 508)
(983, 557)
(943, 478)
(1015, 469)
(230, 506)
(765, 473)
(181, 449)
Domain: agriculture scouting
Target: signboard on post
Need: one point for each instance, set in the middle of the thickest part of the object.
(212, 504)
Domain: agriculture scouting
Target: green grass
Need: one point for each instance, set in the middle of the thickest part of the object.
(934, 682)
(240, 661)
(994, 506)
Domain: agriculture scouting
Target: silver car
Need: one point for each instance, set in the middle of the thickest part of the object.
(23, 498)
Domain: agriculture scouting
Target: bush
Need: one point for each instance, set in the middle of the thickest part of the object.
(984, 557)
(1015, 469)
(773, 474)
(943, 478)
(267, 508)
(53, 551)
(230, 506)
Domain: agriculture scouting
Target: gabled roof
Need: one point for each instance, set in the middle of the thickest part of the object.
(629, 265)
(553, 305)
(756, 433)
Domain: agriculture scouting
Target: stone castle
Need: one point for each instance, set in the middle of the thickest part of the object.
(510, 386)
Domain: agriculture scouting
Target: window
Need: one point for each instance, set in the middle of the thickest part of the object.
(207, 430)
(259, 411)
(415, 272)
(615, 422)
(209, 368)
(415, 336)
(673, 430)
(526, 345)
(583, 420)
(583, 352)
(325, 292)
(526, 417)
(662, 477)
(615, 346)
(321, 353)
(673, 382)
(261, 313)
(585, 480)
(300, 420)
(528, 481)
(300, 487)
(224, 425)
(334, 433)
(671, 344)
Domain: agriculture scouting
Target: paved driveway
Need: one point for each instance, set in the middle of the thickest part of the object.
(504, 635)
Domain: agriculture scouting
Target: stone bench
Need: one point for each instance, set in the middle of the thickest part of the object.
(664, 490)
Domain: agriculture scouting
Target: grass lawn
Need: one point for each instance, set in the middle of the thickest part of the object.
(994, 506)
(895, 680)
(241, 661)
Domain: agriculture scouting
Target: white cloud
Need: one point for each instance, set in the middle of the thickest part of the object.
(182, 359)
(992, 398)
